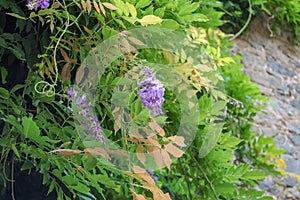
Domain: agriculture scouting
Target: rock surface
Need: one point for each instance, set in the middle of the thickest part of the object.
(274, 64)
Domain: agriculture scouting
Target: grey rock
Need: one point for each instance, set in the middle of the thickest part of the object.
(297, 88)
(296, 63)
(294, 129)
(296, 103)
(296, 140)
(290, 182)
(282, 143)
(278, 68)
(293, 165)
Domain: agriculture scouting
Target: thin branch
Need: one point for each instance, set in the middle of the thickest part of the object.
(206, 178)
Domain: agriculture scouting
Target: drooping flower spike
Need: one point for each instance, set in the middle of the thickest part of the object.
(35, 4)
(92, 124)
(152, 92)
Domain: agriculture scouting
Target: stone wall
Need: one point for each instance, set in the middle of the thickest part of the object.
(274, 64)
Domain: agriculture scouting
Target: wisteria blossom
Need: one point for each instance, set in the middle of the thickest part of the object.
(152, 92)
(92, 124)
(35, 4)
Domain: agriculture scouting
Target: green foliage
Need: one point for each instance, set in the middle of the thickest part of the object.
(283, 13)
(39, 137)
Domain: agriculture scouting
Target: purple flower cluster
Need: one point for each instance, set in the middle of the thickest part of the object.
(151, 173)
(152, 93)
(35, 4)
(92, 124)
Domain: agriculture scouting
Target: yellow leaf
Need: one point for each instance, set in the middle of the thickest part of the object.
(131, 9)
(109, 6)
(150, 19)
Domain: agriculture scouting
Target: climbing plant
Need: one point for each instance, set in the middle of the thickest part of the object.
(52, 139)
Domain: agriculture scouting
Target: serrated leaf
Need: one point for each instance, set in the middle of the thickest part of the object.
(150, 19)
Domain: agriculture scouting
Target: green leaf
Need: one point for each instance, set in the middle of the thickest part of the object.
(225, 188)
(4, 93)
(30, 129)
(4, 73)
(142, 3)
(188, 8)
(90, 163)
(255, 175)
(13, 147)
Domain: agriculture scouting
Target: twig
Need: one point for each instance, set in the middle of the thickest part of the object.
(12, 179)
(206, 178)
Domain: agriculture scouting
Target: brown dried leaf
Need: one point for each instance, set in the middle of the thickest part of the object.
(141, 173)
(65, 55)
(135, 41)
(127, 46)
(88, 6)
(158, 159)
(137, 196)
(65, 72)
(102, 9)
(166, 158)
(83, 4)
(141, 153)
(96, 6)
(157, 128)
(109, 6)
(176, 152)
(79, 75)
(97, 152)
(90, 32)
(179, 140)
(56, 5)
(66, 152)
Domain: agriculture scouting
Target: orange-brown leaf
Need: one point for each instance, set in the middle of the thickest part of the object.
(137, 196)
(157, 128)
(166, 158)
(56, 5)
(135, 41)
(127, 46)
(97, 152)
(96, 6)
(141, 153)
(87, 30)
(83, 4)
(109, 6)
(88, 6)
(179, 140)
(102, 9)
(158, 159)
(65, 55)
(79, 75)
(66, 152)
(141, 173)
(173, 150)
(65, 72)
